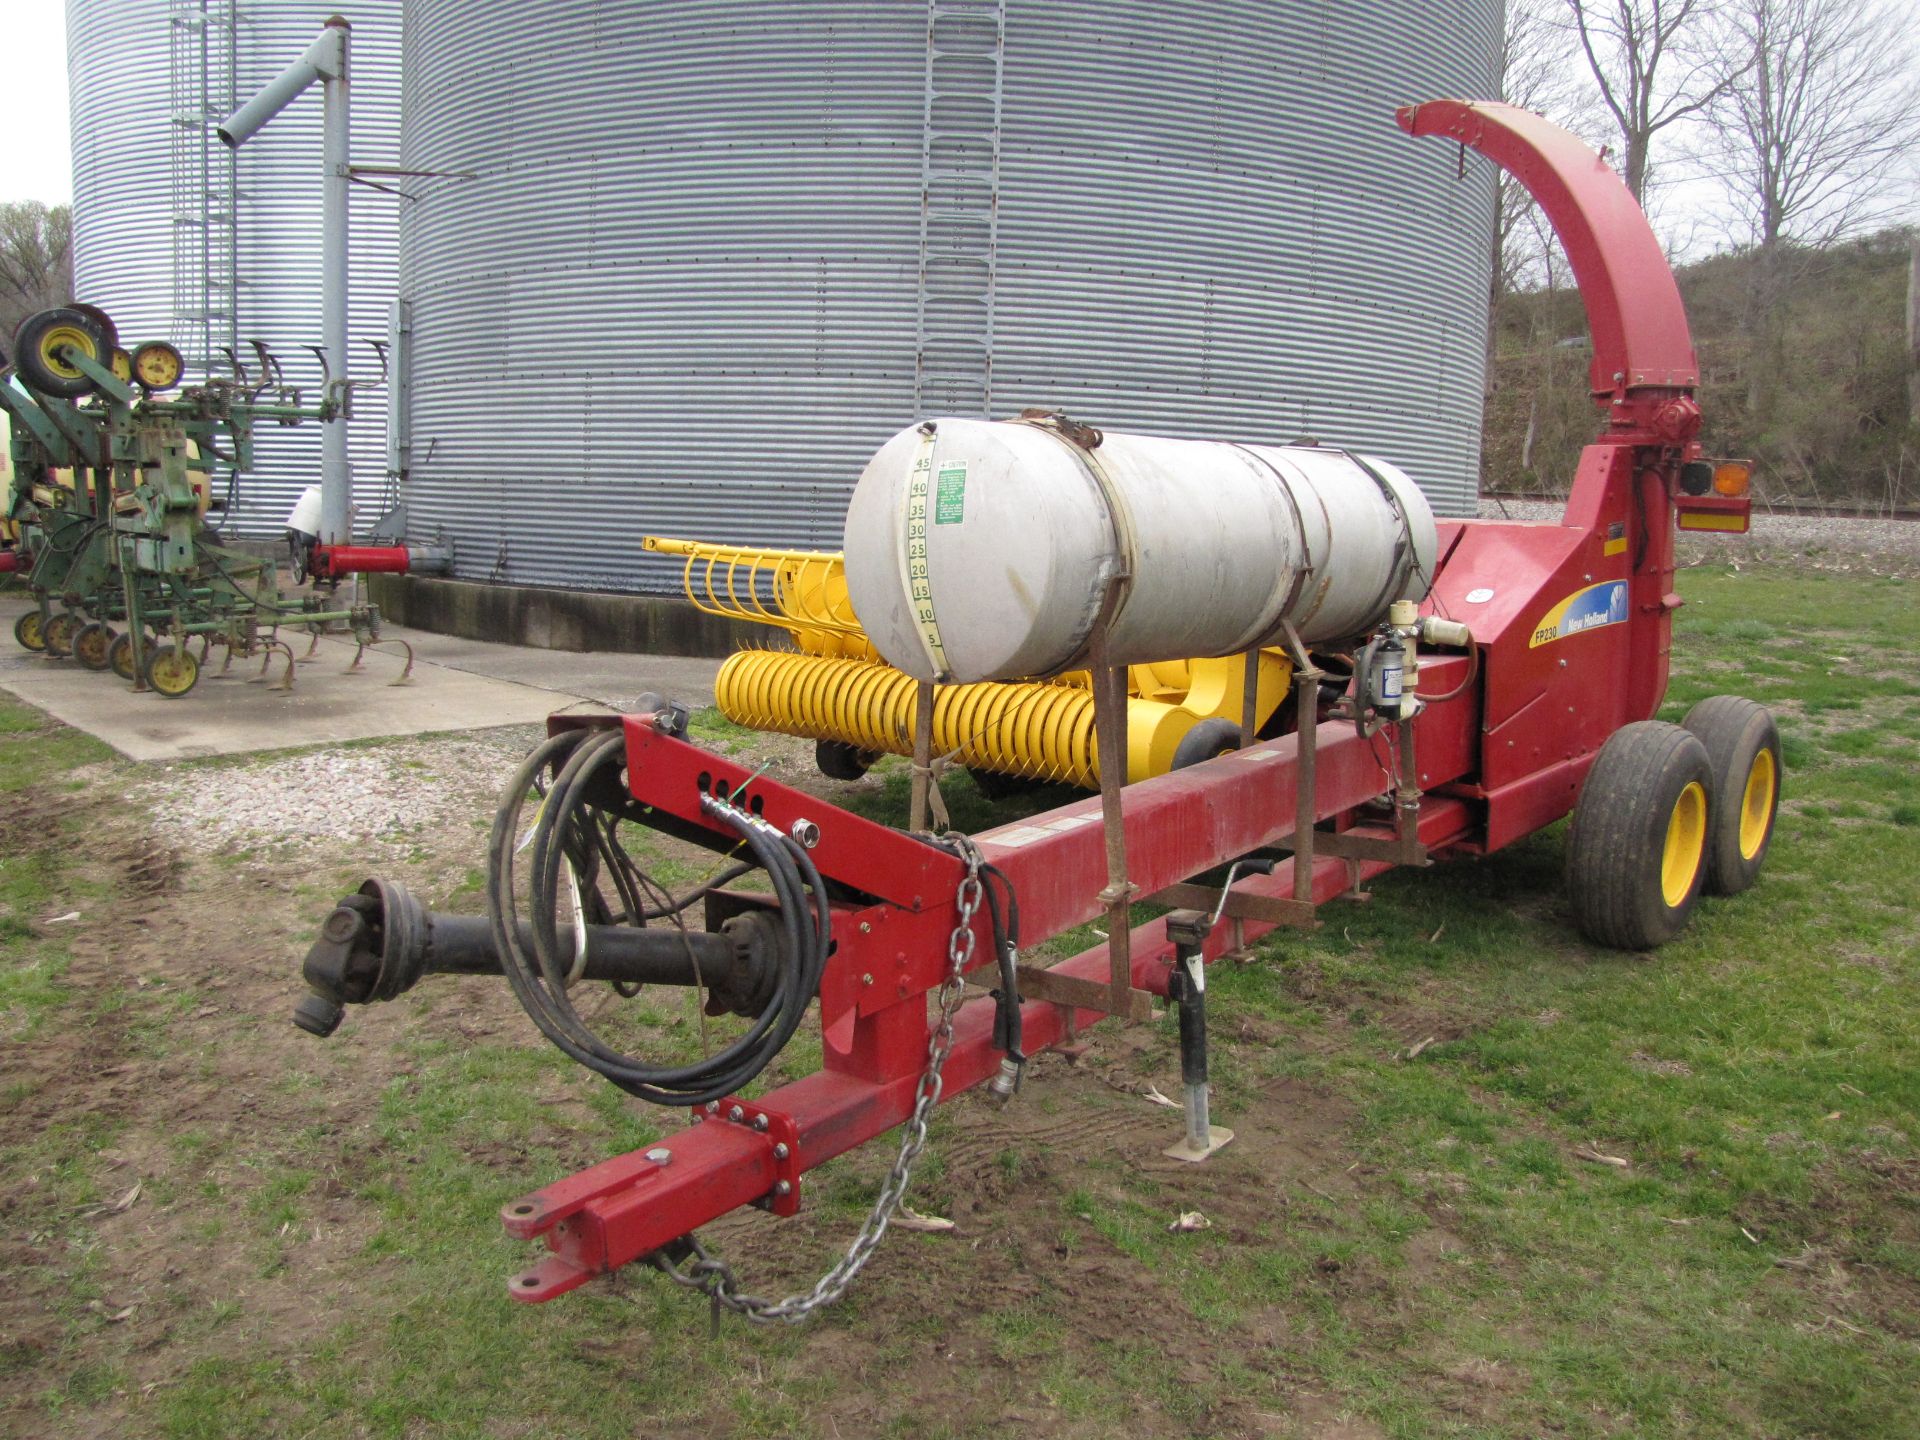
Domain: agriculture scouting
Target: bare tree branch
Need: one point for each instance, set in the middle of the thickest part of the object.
(1655, 63)
(1816, 138)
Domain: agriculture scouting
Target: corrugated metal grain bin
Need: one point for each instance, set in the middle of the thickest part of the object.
(178, 238)
(714, 254)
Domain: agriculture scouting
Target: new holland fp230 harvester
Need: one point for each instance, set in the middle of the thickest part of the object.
(1456, 685)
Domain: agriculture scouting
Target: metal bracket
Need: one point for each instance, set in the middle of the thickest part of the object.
(1240, 905)
(779, 1128)
(1078, 993)
(1349, 846)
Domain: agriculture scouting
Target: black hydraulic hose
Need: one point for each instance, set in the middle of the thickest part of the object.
(566, 832)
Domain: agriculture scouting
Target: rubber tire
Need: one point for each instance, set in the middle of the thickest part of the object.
(120, 655)
(1617, 846)
(1735, 731)
(99, 317)
(840, 761)
(28, 632)
(57, 631)
(1206, 741)
(93, 636)
(164, 654)
(26, 350)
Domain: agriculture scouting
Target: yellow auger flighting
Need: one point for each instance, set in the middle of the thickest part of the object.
(833, 688)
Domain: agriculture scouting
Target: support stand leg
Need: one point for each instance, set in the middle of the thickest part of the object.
(1189, 989)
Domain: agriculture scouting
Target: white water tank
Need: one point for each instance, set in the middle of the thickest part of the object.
(985, 550)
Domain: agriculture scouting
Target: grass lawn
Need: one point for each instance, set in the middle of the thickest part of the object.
(1407, 1245)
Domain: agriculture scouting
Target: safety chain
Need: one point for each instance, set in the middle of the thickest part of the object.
(699, 1269)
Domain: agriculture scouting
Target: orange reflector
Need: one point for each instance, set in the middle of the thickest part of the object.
(1730, 477)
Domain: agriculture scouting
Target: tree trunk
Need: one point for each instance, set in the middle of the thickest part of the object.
(1913, 334)
(1766, 341)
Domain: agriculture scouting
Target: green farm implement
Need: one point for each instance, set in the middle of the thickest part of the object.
(112, 478)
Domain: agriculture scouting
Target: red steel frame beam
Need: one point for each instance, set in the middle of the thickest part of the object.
(889, 954)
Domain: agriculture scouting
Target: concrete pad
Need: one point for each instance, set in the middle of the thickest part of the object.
(613, 678)
(456, 685)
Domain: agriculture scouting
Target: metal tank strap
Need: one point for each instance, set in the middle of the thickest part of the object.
(1305, 569)
(1084, 441)
(1406, 559)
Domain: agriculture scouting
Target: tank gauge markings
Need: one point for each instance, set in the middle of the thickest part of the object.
(919, 583)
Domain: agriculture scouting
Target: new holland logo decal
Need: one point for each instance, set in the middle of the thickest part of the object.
(1589, 609)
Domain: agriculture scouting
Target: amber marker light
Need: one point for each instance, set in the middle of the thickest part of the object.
(1731, 477)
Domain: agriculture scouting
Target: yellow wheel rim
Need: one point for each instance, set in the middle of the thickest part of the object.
(90, 646)
(173, 673)
(1756, 805)
(60, 336)
(1686, 842)
(32, 633)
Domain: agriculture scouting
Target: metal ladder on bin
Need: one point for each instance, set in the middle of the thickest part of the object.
(959, 207)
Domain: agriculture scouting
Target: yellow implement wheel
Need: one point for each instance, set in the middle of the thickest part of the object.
(40, 349)
(158, 366)
(120, 656)
(57, 632)
(1637, 853)
(1686, 844)
(28, 632)
(91, 642)
(1743, 747)
(172, 671)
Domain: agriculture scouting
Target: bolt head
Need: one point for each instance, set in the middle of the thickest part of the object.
(783, 1187)
(759, 1122)
(736, 1114)
(781, 1152)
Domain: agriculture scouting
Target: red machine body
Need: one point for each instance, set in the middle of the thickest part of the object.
(1571, 621)
(9, 561)
(334, 562)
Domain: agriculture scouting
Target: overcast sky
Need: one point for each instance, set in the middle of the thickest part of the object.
(35, 162)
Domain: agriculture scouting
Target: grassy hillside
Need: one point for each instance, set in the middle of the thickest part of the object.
(1820, 400)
